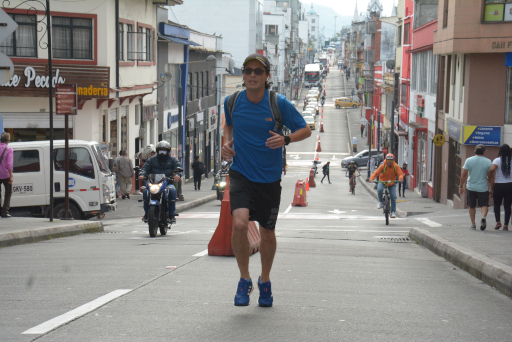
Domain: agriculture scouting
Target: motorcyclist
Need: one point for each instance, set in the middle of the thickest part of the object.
(162, 163)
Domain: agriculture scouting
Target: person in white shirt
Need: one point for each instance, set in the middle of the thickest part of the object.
(500, 178)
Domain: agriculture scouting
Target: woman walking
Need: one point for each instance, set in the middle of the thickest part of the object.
(501, 184)
(401, 186)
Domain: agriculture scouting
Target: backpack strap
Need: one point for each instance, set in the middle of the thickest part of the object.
(231, 104)
(276, 113)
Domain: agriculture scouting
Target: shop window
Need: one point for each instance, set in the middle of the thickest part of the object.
(271, 30)
(72, 38)
(406, 33)
(23, 41)
(121, 42)
(80, 162)
(26, 161)
(497, 10)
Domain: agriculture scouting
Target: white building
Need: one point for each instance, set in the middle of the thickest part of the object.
(115, 107)
(314, 27)
(274, 24)
(239, 22)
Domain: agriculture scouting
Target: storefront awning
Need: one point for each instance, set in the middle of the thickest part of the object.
(178, 40)
(416, 125)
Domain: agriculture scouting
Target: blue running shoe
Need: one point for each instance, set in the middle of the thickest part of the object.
(243, 292)
(266, 298)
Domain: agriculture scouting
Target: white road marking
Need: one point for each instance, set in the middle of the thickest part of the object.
(200, 254)
(294, 216)
(336, 211)
(73, 314)
(348, 230)
(429, 222)
(288, 209)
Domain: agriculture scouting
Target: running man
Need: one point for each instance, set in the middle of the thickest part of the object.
(255, 175)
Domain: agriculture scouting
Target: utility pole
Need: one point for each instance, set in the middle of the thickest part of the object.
(335, 25)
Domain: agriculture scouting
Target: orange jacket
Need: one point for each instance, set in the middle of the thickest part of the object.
(390, 174)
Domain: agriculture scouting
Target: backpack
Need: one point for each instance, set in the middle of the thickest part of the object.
(274, 108)
(394, 167)
(200, 168)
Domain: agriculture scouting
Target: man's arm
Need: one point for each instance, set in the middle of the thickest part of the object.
(227, 149)
(146, 169)
(277, 141)
(463, 179)
(376, 173)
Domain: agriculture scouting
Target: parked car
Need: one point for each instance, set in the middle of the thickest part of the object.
(312, 108)
(345, 102)
(314, 92)
(308, 112)
(361, 159)
(317, 108)
(310, 121)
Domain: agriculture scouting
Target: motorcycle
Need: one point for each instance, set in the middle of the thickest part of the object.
(315, 167)
(322, 101)
(220, 184)
(158, 211)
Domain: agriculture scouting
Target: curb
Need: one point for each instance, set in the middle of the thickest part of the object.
(492, 272)
(373, 192)
(35, 235)
(195, 203)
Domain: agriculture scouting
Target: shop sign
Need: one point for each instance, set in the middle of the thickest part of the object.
(439, 140)
(172, 119)
(485, 135)
(454, 129)
(66, 99)
(33, 80)
(150, 112)
(212, 119)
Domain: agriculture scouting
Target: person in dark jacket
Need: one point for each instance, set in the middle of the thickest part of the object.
(161, 163)
(325, 170)
(198, 168)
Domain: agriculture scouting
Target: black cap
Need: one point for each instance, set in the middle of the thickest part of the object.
(260, 58)
(480, 149)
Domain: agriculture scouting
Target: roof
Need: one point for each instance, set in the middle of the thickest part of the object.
(312, 11)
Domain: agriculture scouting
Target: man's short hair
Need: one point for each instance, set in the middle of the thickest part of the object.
(122, 152)
(5, 138)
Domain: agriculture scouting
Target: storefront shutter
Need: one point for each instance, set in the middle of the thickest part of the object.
(113, 114)
(124, 110)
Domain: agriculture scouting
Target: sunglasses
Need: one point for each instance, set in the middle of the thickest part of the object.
(249, 71)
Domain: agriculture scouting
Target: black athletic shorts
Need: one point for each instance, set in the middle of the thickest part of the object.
(262, 199)
(482, 197)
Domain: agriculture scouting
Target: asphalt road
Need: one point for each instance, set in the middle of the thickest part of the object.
(339, 274)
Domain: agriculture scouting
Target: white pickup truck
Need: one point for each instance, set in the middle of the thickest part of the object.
(91, 183)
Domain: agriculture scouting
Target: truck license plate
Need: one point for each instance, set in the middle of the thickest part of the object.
(22, 188)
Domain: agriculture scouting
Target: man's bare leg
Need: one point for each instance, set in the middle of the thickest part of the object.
(472, 213)
(240, 241)
(267, 251)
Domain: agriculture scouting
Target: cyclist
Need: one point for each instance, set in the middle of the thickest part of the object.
(351, 170)
(388, 171)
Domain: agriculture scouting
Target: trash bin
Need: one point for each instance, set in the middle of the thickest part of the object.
(354, 144)
(424, 189)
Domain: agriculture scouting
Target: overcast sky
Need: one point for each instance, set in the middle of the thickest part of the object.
(347, 6)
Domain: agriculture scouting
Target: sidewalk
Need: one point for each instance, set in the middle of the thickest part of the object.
(485, 255)
(21, 230)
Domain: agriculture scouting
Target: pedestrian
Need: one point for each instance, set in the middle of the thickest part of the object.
(255, 174)
(125, 172)
(198, 168)
(475, 172)
(371, 165)
(362, 130)
(325, 170)
(6, 161)
(402, 186)
(500, 180)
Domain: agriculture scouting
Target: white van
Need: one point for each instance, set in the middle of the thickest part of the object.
(91, 183)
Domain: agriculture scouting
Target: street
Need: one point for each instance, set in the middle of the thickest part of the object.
(339, 273)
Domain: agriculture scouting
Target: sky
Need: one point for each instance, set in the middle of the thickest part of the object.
(344, 6)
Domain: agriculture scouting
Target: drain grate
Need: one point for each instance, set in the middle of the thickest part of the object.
(108, 232)
(393, 238)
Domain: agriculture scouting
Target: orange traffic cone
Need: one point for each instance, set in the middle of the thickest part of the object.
(299, 198)
(220, 243)
(307, 184)
(311, 182)
(321, 127)
(319, 147)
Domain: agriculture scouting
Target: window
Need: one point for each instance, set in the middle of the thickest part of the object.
(271, 30)
(26, 161)
(189, 86)
(130, 49)
(148, 45)
(424, 72)
(445, 13)
(404, 94)
(202, 84)
(399, 35)
(23, 41)
(406, 33)
(72, 38)
(497, 10)
(196, 79)
(313, 37)
(312, 29)
(121, 42)
(80, 162)
(141, 42)
(312, 21)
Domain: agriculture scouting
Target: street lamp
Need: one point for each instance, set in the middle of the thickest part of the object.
(335, 25)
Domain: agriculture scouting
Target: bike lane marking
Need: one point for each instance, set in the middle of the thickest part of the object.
(53, 323)
(429, 222)
(200, 254)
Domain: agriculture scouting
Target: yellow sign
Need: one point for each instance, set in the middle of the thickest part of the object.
(439, 140)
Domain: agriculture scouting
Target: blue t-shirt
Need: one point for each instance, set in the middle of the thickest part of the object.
(252, 123)
(478, 167)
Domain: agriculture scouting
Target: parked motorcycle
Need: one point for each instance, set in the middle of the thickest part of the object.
(220, 183)
(158, 212)
(315, 167)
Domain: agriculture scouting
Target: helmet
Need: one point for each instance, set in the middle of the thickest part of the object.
(390, 156)
(163, 145)
(352, 162)
(224, 163)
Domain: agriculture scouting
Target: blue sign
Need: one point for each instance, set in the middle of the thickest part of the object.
(71, 182)
(508, 59)
(1, 124)
(454, 129)
(485, 135)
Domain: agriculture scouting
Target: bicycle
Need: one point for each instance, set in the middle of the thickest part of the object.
(353, 183)
(386, 200)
